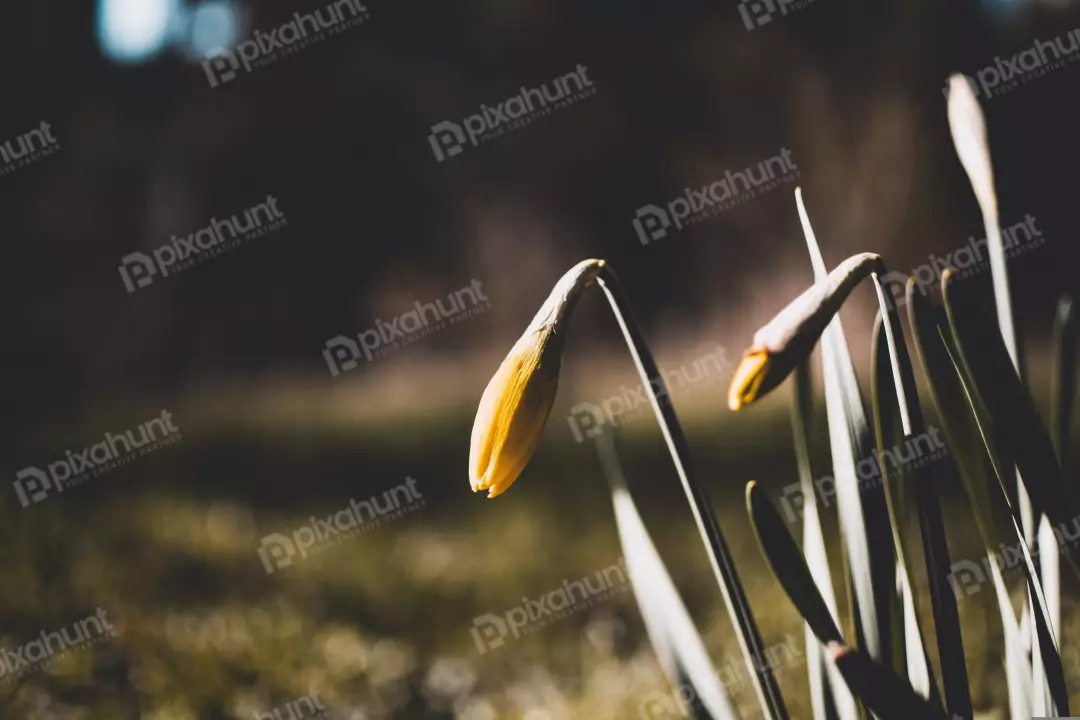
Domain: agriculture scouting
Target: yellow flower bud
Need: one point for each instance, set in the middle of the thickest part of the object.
(516, 404)
(790, 337)
(513, 410)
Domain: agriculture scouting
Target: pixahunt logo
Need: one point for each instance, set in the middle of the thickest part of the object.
(52, 646)
(1037, 61)
(490, 631)
(279, 551)
(33, 485)
(448, 139)
(652, 222)
(226, 631)
(969, 576)
(137, 270)
(303, 708)
(912, 453)
(303, 31)
(965, 261)
(756, 13)
(342, 353)
(28, 148)
(587, 420)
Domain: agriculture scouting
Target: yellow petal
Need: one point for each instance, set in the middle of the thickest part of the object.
(516, 403)
(512, 413)
(748, 378)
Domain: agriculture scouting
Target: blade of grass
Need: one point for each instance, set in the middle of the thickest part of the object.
(671, 630)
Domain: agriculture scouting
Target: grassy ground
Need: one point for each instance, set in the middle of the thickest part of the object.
(388, 621)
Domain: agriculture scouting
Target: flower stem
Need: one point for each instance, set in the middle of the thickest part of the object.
(720, 558)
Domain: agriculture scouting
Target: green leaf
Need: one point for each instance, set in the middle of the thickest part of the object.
(887, 696)
(1062, 396)
(671, 630)
(789, 565)
(1008, 404)
(998, 397)
(909, 649)
(933, 340)
(865, 527)
(829, 695)
(719, 554)
(1063, 383)
(968, 127)
(917, 488)
(1017, 668)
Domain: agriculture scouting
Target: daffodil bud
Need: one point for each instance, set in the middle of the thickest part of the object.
(516, 403)
(791, 336)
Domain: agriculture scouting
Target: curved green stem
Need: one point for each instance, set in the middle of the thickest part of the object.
(720, 558)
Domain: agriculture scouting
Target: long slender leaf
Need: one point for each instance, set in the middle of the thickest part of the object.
(996, 392)
(789, 565)
(723, 565)
(968, 127)
(829, 695)
(889, 697)
(933, 340)
(910, 651)
(917, 481)
(1007, 401)
(864, 517)
(1063, 382)
(1062, 397)
(674, 638)
(1017, 668)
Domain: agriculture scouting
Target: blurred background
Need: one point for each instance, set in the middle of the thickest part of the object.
(128, 123)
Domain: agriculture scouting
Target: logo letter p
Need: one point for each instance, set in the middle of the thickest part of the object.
(489, 632)
(31, 485)
(651, 223)
(277, 552)
(446, 140)
(221, 67)
(137, 271)
(341, 353)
